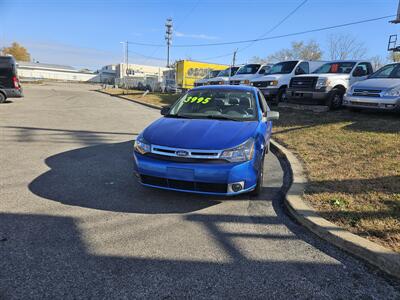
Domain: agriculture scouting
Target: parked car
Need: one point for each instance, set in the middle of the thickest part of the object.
(213, 140)
(245, 74)
(10, 86)
(224, 76)
(380, 91)
(328, 83)
(274, 84)
(205, 80)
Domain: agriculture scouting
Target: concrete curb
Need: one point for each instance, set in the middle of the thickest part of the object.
(129, 99)
(381, 257)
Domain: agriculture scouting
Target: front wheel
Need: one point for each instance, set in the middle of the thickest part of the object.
(281, 96)
(335, 99)
(260, 179)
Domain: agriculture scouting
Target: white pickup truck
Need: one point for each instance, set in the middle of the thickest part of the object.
(328, 83)
(273, 85)
(249, 72)
(223, 76)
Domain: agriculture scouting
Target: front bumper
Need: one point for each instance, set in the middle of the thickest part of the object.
(380, 103)
(269, 92)
(203, 178)
(295, 95)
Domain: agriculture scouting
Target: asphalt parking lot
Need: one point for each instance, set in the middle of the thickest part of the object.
(75, 223)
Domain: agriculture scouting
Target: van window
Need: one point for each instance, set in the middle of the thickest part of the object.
(248, 69)
(366, 67)
(285, 67)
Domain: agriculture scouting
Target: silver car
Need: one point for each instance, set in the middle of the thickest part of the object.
(380, 91)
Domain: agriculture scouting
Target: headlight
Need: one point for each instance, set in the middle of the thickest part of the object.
(245, 81)
(141, 145)
(321, 83)
(243, 152)
(395, 92)
(273, 82)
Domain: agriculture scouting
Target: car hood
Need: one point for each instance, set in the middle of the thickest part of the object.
(326, 75)
(378, 83)
(220, 78)
(244, 76)
(270, 77)
(199, 133)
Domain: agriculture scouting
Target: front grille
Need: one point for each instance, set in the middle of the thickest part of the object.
(187, 159)
(367, 93)
(303, 83)
(364, 103)
(184, 185)
(261, 83)
(185, 153)
(234, 82)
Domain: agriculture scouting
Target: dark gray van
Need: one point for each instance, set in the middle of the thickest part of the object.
(10, 86)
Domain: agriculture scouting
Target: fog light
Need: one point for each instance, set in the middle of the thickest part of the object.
(235, 187)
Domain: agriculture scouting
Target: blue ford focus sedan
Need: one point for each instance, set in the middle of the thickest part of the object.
(212, 140)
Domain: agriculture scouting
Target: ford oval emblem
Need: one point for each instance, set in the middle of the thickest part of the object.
(182, 153)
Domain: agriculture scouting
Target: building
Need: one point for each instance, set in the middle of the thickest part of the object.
(32, 70)
(107, 74)
(139, 76)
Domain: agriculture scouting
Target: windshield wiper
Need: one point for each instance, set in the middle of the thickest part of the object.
(219, 117)
(178, 116)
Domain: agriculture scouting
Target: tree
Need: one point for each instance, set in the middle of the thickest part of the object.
(345, 46)
(394, 56)
(377, 62)
(298, 50)
(258, 60)
(19, 52)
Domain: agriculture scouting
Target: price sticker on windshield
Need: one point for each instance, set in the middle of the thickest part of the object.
(195, 99)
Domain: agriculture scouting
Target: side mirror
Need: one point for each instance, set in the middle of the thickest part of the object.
(271, 115)
(165, 110)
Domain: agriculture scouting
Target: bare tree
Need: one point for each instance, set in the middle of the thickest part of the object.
(298, 50)
(377, 62)
(394, 56)
(345, 46)
(258, 60)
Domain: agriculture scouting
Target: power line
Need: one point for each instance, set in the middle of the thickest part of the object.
(271, 37)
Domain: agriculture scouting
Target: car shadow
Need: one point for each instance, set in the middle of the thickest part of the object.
(101, 177)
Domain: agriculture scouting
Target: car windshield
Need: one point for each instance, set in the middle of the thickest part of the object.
(265, 70)
(283, 67)
(336, 68)
(220, 104)
(225, 73)
(248, 69)
(214, 73)
(389, 71)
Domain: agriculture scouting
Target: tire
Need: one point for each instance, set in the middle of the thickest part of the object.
(335, 99)
(281, 96)
(260, 178)
(2, 98)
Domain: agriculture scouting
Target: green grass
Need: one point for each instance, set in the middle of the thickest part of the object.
(353, 166)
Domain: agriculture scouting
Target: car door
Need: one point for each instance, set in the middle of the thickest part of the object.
(366, 67)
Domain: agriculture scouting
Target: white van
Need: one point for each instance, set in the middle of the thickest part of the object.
(328, 84)
(274, 84)
(223, 76)
(205, 80)
(248, 72)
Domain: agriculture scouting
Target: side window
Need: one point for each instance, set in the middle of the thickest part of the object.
(262, 102)
(303, 68)
(362, 69)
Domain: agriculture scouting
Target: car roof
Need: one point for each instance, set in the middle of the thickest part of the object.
(243, 88)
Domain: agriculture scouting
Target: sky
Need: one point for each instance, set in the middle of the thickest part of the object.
(88, 33)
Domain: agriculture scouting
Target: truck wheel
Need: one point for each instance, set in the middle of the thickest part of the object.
(2, 98)
(281, 96)
(335, 99)
(260, 179)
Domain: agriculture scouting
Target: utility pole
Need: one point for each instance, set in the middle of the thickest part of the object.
(234, 57)
(168, 36)
(126, 57)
